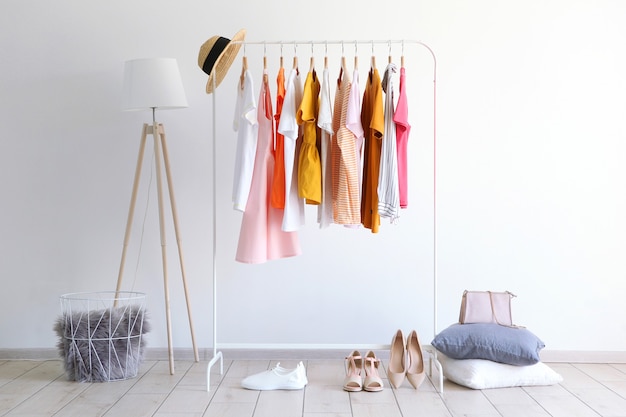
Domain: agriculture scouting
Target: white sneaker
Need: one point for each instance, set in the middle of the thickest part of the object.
(277, 378)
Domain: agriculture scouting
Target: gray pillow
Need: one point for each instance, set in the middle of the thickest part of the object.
(513, 346)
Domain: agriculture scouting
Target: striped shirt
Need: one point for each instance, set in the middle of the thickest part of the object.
(388, 190)
(345, 176)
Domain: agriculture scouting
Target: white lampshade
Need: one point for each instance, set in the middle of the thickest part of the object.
(153, 83)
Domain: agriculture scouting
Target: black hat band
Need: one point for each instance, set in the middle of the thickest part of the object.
(215, 52)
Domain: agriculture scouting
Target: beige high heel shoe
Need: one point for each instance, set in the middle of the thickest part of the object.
(397, 368)
(354, 366)
(415, 370)
(373, 381)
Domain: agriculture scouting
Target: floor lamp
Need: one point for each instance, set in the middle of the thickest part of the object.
(151, 84)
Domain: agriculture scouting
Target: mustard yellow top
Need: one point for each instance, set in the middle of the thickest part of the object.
(309, 162)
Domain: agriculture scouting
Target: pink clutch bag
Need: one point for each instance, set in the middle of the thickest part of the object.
(486, 307)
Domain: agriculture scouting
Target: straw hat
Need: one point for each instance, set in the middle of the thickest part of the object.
(217, 55)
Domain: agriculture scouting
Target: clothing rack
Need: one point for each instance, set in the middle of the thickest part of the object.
(217, 355)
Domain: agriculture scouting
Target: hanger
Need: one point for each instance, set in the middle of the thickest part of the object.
(264, 63)
(402, 56)
(356, 56)
(326, 56)
(312, 65)
(281, 55)
(244, 67)
(373, 63)
(390, 52)
(295, 57)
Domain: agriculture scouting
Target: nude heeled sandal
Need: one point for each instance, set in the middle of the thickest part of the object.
(373, 381)
(415, 370)
(397, 365)
(354, 366)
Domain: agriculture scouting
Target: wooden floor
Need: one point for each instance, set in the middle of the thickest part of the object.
(39, 388)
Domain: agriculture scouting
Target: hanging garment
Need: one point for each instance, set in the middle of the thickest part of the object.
(346, 202)
(325, 123)
(293, 216)
(401, 119)
(372, 118)
(278, 183)
(245, 124)
(388, 192)
(260, 237)
(353, 123)
(309, 164)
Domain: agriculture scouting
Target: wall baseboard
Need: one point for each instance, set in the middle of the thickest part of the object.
(304, 352)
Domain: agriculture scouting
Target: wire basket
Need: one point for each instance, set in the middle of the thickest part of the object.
(101, 335)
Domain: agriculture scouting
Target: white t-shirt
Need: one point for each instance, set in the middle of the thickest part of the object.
(246, 125)
(293, 215)
(325, 123)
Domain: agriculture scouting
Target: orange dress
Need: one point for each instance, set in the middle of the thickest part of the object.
(277, 197)
(373, 121)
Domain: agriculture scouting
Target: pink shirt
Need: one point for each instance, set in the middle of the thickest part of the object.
(401, 118)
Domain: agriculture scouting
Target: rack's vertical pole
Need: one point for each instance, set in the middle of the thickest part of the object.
(216, 355)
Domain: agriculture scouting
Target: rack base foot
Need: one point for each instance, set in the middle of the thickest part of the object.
(433, 358)
(216, 356)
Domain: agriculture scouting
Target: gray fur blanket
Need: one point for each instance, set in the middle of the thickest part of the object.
(102, 345)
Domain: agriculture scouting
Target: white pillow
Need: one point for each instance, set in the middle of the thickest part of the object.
(485, 374)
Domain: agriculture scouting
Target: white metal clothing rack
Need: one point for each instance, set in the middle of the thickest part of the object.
(217, 355)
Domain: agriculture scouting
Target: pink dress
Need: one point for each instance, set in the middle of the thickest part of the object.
(260, 237)
(401, 118)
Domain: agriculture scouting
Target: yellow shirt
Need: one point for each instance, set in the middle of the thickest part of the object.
(309, 162)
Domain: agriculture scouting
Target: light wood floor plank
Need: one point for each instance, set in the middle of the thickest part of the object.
(9, 370)
(230, 391)
(559, 402)
(196, 374)
(136, 405)
(326, 399)
(230, 410)
(97, 399)
(601, 371)
(50, 399)
(602, 400)
(186, 399)
(469, 402)
(280, 404)
(34, 379)
(421, 403)
(375, 410)
(40, 388)
(159, 380)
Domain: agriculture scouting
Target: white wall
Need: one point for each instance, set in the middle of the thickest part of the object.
(530, 156)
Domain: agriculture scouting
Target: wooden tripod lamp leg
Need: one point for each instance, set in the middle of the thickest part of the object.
(131, 209)
(157, 160)
(166, 160)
